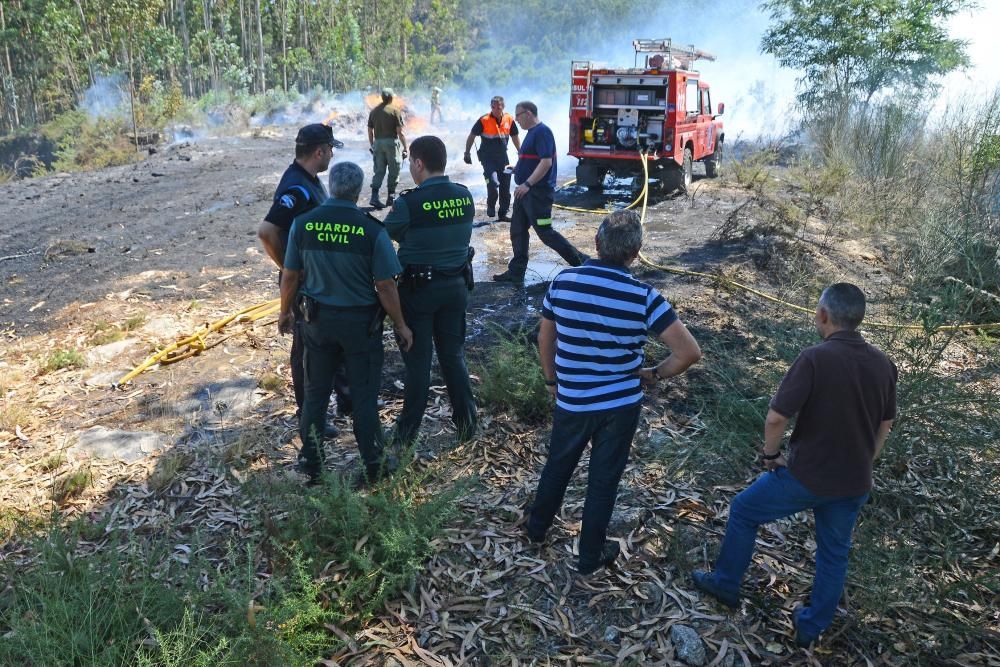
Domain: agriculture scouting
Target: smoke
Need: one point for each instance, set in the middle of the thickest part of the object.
(108, 97)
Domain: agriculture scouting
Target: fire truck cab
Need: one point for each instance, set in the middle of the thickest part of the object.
(661, 111)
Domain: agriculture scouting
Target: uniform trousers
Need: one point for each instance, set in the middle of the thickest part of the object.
(534, 211)
(435, 313)
(340, 336)
(388, 154)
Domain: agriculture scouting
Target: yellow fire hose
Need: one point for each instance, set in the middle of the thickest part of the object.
(726, 282)
(196, 343)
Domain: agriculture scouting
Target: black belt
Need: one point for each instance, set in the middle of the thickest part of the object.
(347, 309)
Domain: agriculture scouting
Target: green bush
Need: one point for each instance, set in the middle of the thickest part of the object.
(511, 379)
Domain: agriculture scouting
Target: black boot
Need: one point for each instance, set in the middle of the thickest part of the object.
(375, 202)
(391, 198)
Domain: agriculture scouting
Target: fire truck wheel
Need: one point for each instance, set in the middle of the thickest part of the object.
(713, 163)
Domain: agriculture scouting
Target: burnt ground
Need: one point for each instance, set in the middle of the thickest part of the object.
(158, 248)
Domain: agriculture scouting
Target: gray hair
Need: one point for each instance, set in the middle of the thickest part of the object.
(528, 106)
(845, 303)
(346, 179)
(619, 237)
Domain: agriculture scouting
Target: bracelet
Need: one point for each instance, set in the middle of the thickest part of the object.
(528, 183)
(770, 457)
(551, 383)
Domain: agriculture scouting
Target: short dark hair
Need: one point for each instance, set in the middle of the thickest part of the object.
(497, 98)
(304, 151)
(528, 106)
(845, 303)
(431, 151)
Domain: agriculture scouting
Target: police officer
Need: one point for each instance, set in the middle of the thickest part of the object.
(388, 146)
(494, 129)
(433, 225)
(300, 190)
(339, 266)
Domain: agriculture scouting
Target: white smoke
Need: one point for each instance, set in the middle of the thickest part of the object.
(108, 97)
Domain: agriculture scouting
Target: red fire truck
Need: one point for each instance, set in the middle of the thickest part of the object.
(661, 109)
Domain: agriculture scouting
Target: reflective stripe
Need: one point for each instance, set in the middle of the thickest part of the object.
(543, 222)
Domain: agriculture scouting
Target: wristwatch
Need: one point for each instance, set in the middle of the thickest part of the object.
(770, 457)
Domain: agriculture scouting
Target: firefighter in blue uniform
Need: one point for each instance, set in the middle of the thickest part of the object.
(339, 266)
(301, 190)
(433, 226)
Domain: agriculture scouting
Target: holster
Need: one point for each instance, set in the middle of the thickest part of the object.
(308, 307)
(470, 282)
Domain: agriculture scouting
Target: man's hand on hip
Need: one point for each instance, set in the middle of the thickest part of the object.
(521, 190)
(285, 323)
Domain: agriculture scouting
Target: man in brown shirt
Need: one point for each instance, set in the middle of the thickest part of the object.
(388, 146)
(842, 394)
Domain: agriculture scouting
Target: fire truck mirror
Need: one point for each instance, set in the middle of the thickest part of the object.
(720, 109)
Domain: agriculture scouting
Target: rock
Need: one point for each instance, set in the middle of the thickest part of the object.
(688, 645)
(163, 327)
(103, 443)
(102, 354)
(219, 401)
(611, 634)
(104, 379)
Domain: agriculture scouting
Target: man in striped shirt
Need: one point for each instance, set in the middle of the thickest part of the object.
(595, 321)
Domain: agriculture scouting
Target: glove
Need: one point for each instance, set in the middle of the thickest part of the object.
(467, 158)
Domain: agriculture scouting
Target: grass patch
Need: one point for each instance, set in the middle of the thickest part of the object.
(512, 381)
(12, 415)
(72, 484)
(103, 332)
(61, 359)
(133, 322)
(168, 468)
(52, 462)
(271, 382)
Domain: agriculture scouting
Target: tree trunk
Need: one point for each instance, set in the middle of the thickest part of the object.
(260, 46)
(284, 45)
(10, 85)
(207, 15)
(186, 41)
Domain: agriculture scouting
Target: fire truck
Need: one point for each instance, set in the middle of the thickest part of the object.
(660, 111)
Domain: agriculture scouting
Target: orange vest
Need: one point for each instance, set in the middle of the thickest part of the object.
(494, 130)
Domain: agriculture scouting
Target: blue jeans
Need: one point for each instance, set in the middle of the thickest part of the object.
(778, 494)
(610, 433)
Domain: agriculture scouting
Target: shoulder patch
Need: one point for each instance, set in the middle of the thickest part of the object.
(287, 201)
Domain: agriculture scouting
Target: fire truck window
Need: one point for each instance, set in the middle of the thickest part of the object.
(692, 99)
(706, 102)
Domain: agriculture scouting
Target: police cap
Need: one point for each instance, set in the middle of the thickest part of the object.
(316, 134)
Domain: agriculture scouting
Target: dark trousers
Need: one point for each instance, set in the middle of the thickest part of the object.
(336, 337)
(435, 313)
(610, 433)
(534, 211)
(497, 184)
(298, 380)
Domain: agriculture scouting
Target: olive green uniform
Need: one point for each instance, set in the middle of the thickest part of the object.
(341, 251)
(385, 120)
(433, 225)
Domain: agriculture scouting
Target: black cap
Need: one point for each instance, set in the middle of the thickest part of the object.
(317, 134)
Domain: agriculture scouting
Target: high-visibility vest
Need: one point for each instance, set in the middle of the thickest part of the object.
(494, 130)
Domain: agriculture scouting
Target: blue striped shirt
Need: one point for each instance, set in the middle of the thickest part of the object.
(603, 316)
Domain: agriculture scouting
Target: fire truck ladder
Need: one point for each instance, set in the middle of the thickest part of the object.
(577, 66)
(675, 56)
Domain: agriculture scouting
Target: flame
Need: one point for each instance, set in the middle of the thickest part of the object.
(331, 117)
(416, 124)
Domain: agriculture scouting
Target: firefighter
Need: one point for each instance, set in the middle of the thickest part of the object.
(494, 130)
(388, 146)
(535, 175)
(299, 191)
(436, 105)
(339, 266)
(433, 225)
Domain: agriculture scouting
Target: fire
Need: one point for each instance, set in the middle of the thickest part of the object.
(416, 124)
(330, 118)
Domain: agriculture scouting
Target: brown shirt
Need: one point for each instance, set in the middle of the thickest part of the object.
(385, 119)
(841, 391)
